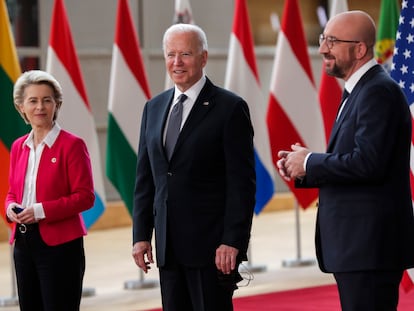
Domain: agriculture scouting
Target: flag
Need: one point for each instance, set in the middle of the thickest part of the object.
(128, 92)
(12, 125)
(387, 27)
(401, 71)
(293, 114)
(183, 15)
(242, 78)
(183, 12)
(75, 114)
(330, 89)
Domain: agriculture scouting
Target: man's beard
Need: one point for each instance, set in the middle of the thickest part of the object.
(336, 71)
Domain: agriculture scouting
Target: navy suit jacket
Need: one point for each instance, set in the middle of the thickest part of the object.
(205, 195)
(365, 214)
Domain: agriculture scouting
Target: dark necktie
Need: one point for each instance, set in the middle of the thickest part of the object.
(174, 125)
(345, 95)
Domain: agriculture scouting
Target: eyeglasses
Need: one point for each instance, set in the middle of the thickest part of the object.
(330, 41)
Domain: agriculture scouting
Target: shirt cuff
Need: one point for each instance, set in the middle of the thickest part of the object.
(306, 161)
(39, 213)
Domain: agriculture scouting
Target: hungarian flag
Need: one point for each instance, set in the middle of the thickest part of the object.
(330, 89)
(293, 114)
(387, 28)
(75, 114)
(402, 69)
(12, 125)
(128, 93)
(183, 15)
(242, 78)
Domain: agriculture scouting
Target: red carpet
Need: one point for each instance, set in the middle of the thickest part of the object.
(320, 298)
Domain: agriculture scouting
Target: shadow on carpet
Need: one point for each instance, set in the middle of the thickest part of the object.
(320, 298)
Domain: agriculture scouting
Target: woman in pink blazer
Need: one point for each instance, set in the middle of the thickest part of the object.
(50, 184)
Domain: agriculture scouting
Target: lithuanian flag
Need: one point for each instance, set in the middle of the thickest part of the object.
(11, 124)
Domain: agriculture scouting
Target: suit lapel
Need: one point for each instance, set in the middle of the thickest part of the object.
(200, 109)
(351, 102)
(164, 103)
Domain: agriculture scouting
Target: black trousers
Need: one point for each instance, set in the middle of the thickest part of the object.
(196, 289)
(49, 278)
(369, 290)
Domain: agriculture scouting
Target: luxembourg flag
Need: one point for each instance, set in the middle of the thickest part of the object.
(242, 78)
(75, 114)
(330, 89)
(294, 114)
(128, 93)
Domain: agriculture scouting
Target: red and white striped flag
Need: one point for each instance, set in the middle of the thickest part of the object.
(75, 114)
(242, 78)
(128, 93)
(293, 114)
(330, 88)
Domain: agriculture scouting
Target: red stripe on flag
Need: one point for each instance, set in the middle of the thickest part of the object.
(295, 35)
(276, 115)
(127, 40)
(62, 43)
(330, 94)
(242, 31)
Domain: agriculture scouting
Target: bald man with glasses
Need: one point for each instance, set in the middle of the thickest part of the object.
(365, 225)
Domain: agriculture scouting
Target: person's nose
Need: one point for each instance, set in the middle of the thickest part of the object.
(178, 59)
(323, 48)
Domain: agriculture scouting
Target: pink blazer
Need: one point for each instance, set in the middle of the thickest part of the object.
(64, 186)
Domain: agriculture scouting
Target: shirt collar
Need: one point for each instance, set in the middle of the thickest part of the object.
(353, 80)
(193, 91)
(50, 138)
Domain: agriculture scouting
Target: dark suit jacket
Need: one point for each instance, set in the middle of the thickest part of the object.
(365, 214)
(205, 195)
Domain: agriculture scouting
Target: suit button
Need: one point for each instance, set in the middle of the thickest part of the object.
(169, 174)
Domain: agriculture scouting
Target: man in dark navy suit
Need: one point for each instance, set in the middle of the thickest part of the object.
(365, 226)
(198, 193)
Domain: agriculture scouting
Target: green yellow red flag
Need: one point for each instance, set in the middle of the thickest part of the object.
(11, 124)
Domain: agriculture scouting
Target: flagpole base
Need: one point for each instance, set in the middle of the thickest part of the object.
(8, 302)
(88, 292)
(253, 269)
(298, 263)
(140, 284)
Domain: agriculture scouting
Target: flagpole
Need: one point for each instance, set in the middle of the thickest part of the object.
(13, 299)
(298, 261)
(141, 283)
(249, 265)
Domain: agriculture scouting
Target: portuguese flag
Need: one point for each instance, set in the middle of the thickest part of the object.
(387, 28)
(11, 124)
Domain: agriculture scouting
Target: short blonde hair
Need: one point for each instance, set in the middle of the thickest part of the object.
(36, 77)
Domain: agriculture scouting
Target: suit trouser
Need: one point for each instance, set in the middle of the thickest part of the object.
(196, 289)
(369, 290)
(49, 278)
